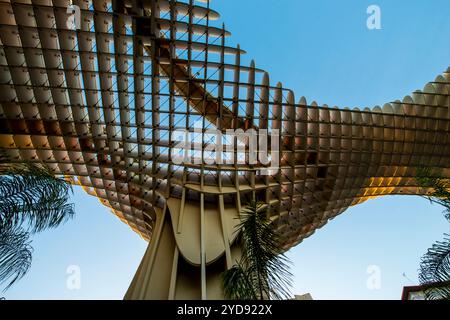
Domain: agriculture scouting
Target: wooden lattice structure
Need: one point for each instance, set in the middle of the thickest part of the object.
(98, 104)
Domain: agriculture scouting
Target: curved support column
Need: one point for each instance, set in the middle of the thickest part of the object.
(168, 271)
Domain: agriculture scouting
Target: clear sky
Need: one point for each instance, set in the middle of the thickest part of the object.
(321, 49)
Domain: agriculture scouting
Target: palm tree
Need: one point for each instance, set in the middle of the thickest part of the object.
(263, 270)
(434, 273)
(32, 199)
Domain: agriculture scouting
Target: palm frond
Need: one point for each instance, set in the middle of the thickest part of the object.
(15, 255)
(439, 187)
(237, 285)
(263, 265)
(32, 195)
(435, 269)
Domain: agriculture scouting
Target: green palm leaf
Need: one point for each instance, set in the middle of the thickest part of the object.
(15, 255)
(237, 284)
(434, 270)
(31, 197)
(263, 271)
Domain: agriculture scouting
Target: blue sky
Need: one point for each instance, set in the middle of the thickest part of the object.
(324, 51)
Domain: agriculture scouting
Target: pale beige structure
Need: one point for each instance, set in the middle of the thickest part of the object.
(98, 105)
(304, 297)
